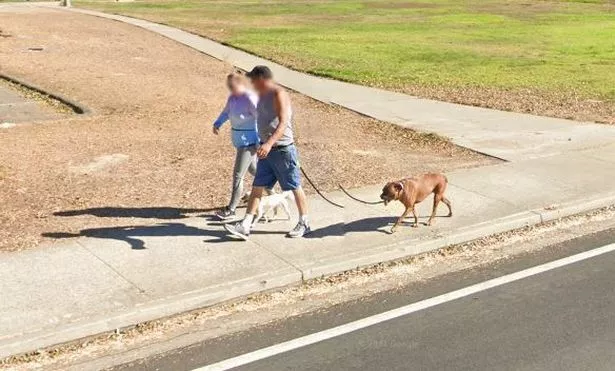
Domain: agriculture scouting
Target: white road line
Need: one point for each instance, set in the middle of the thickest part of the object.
(399, 312)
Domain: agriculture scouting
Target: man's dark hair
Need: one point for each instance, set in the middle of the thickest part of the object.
(260, 72)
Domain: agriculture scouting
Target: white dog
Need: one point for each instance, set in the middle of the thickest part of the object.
(274, 201)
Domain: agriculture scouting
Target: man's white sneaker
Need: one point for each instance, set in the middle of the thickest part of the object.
(300, 230)
(238, 230)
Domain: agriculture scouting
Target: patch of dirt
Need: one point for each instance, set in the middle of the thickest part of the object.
(516, 9)
(528, 9)
(399, 5)
(99, 164)
(154, 101)
(7, 125)
(564, 104)
(3, 172)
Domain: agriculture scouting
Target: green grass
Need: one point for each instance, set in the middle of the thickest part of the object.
(546, 45)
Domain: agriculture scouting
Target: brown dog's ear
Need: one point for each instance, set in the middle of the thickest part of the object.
(398, 186)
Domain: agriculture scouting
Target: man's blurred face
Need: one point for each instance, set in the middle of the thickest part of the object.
(260, 84)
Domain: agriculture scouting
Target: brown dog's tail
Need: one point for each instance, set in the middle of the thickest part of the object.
(445, 179)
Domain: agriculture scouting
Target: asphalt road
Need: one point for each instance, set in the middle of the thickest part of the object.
(562, 319)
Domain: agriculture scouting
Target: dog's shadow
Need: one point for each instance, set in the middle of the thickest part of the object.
(381, 224)
(361, 225)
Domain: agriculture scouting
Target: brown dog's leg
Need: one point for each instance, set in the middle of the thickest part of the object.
(436, 201)
(400, 219)
(416, 218)
(448, 204)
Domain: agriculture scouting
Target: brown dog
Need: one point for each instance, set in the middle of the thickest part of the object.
(411, 191)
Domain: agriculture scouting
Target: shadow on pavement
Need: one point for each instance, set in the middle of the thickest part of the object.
(375, 224)
(131, 234)
(362, 225)
(135, 212)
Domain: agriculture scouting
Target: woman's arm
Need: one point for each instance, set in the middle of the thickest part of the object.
(253, 102)
(223, 117)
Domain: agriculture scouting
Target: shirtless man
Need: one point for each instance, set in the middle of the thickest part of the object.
(277, 155)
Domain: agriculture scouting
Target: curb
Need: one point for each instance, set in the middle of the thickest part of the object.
(167, 307)
(287, 277)
(74, 106)
(408, 248)
(573, 208)
(405, 249)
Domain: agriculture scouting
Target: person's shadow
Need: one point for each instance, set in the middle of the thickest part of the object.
(135, 212)
(131, 234)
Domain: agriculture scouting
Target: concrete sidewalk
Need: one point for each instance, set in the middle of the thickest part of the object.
(15, 109)
(122, 276)
(115, 277)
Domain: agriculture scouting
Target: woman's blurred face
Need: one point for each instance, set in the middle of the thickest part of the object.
(235, 85)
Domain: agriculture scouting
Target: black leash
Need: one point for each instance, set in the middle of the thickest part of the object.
(359, 200)
(317, 190)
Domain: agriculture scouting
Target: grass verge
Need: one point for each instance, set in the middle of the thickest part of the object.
(546, 57)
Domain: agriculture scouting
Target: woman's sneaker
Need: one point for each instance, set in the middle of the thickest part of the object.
(300, 230)
(225, 213)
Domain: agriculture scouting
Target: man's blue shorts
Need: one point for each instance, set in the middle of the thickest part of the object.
(281, 165)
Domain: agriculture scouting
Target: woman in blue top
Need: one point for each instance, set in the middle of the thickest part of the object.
(240, 110)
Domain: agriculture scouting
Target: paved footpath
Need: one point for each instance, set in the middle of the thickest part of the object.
(15, 109)
(115, 277)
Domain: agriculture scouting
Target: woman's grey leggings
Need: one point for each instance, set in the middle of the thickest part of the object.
(245, 160)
